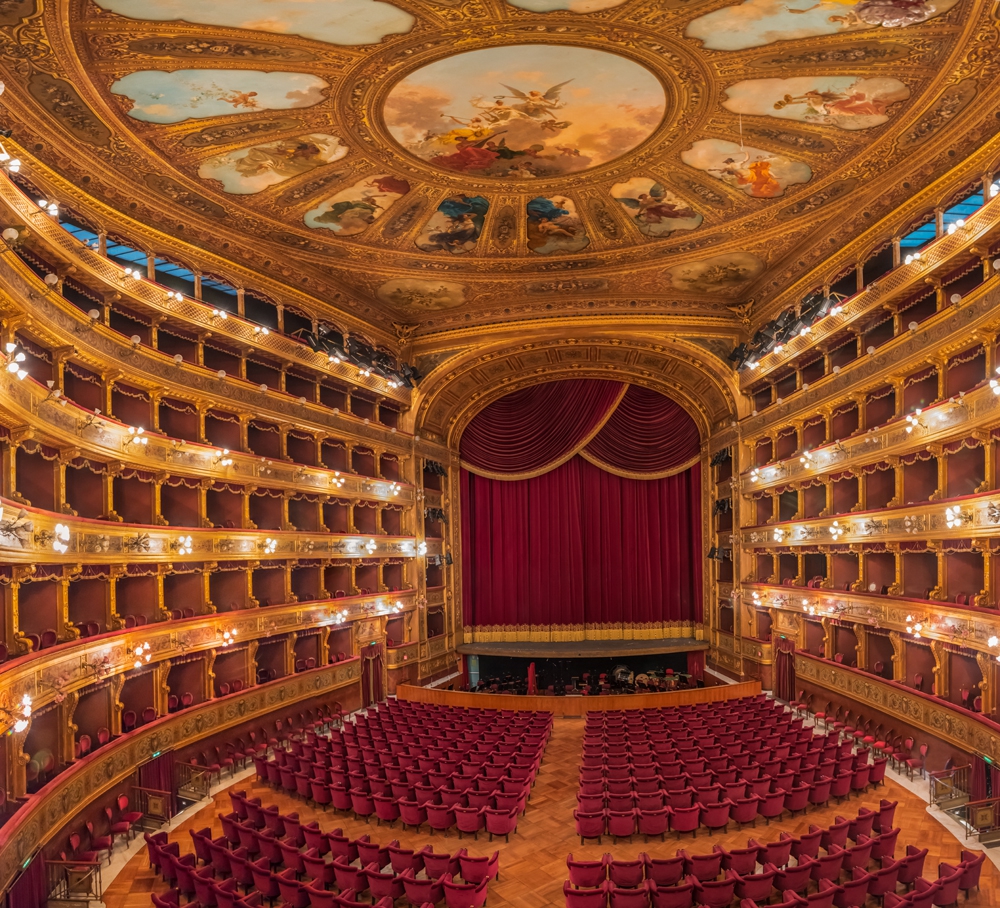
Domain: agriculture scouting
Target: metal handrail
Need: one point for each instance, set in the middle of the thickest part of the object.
(193, 780)
(949, 786)
(982, 817)
(74, 881)
(156, 806)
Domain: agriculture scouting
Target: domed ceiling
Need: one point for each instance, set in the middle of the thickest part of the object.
(439, 163)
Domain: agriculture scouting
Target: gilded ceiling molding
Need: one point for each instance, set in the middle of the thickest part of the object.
(454, 392)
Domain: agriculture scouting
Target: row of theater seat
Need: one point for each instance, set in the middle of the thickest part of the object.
(299, 863)
(841, 875)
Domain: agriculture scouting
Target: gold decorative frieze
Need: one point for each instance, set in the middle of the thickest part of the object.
(972, 516)
(947, 622)
(45, 814)
(29, 535)
(932, 715)
(398, 656)
(566, 633)
(58, 670)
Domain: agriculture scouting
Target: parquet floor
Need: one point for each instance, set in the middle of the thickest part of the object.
(533, 864)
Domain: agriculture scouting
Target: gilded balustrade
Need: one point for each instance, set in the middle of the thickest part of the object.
(30, 535)
(945, 621)
(19, 209)
(970, 516)
(24, 296)
(45, 813)
(900, 280)
(952, 328)
(964, 730)
(30, 405)
(975, 413)
(50, 674)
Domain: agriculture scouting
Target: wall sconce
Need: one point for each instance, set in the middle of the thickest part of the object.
(914, 420)
(55, 394)
(260, 329)
(220, 314)
(956, 225)
(49, 207)
(422, 548)
(994, 384)
(61, 540)
(10, 164)
(339, 617)
(174, 295)
(182, 545)
(779, 534)
(133, 274)
(93, 419)
(956, 517)
(16, 719)
(836, 530)
(394, 488)
(229, 637)
(222, 458)
(10, 235)
(371, 546)
(15, 356)
(337, 481)
(140, 655)
(269, 546)
(754, 474)
(910, 259)
(806, 458)
(136, 436)
(913, 626)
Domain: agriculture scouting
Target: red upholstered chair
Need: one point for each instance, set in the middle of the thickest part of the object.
(774, 803)
(701, 866)
(499, 822)
(679, 896)
(627, 874)
(858, 855)
(464, 895)
(439, 865)
(861, 824)
(685, 819)
(828, 866)
(822, 898)
(794, 878)
(717, 893)
(819, 791)
(884, 845)
(836, 833)
(590, 825)
(807, 844)
(884, 879)
(383, 885)
(420, 891)
(120, 829)
(348, 876)
(745, 810)
(755, 886)
(469, 819)
(588, 874)
(665, 871)
(654, 822)
(474, 870)
(776, 853)
(628, 898)
(854, 892)
(318, 869)
(742, 860)
(411, 814)
(716, 816)
(972, 867)
(587, 898)
(621, 824)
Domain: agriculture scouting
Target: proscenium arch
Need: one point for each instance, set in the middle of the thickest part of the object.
(462, 386)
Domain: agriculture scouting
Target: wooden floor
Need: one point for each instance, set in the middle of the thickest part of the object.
(533, 865)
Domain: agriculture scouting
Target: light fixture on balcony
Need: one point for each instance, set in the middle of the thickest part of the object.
(8, 163)
(397, 607)
(15, 356)
(364, 371)
(754, 474)
(913, 626)
(994, 384)
(229, 637)
(182, 545)
(260, 329)
(270, 546)
(140, 655)
(16, 719)
(220, 314)
(394, 488)
(136, 436)
(133, 273)
(955, 517)
(49, 207)
(910, 259)
(175, 295)
(61, 539)
(337, 480)
(335, 360)
(55, 394)
(836, 530)
(913, 420)
(779, 534)
(222, 458)
(371, 546)
(806, 458)
(956, 225)
(422, 548)
(339, 617)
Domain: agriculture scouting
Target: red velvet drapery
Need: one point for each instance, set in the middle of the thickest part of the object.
(625, 429)
(784, 669)
(578, 545)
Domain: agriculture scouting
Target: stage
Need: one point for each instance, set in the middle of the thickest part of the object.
(585, 649)
(578, 706)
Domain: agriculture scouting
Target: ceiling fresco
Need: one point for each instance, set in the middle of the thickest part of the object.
(444, 163)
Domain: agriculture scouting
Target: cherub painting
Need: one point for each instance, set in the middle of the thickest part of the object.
(170, 97)
(758, 173)
(846, 102)
(524, 111)
(455, 226)
(410, 293)
(352, 210)
(755, 23)
(555, 226)
(252, 169)
(654, 210)
(716, 274)
(351, 22)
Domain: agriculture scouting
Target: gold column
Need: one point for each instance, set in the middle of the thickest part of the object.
(324, 646)
(942, 672)
(115, 621)
(161, 689)
(286, 572)
(290, 652)
(66, 741)
(115, 705)
(861, 632)
(245, 517)
(251, 664)
(209, 675)
(162, 612)
(251, 566)
(987, 688)
(898, 642)
(206, 587)
(65, 630)
(17, 762)
(828, 643)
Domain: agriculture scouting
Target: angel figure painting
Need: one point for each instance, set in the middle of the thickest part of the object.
(455, 226)
(760, 174)
(755, 23)
(846, 102)
(411, 293)
(653, 209)
(524, 111)
(716, 274)
(352, 210)
(249, 170)
(555, 226)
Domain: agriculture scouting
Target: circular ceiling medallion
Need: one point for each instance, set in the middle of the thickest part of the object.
(525, 111)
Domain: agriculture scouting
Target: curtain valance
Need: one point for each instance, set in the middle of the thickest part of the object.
(623, 429)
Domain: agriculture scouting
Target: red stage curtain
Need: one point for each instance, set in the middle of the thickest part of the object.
(696, 664)
(578, 545)
(647, 433)
(30, 889)
(529, 430)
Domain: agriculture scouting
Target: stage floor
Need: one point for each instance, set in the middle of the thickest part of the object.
(585, 649)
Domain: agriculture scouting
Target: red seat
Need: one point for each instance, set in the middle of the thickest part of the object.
(464, 895)
(679, 896)
(588, 874)
(588, 898)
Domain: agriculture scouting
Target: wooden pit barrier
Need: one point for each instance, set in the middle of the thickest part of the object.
(577, 707)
